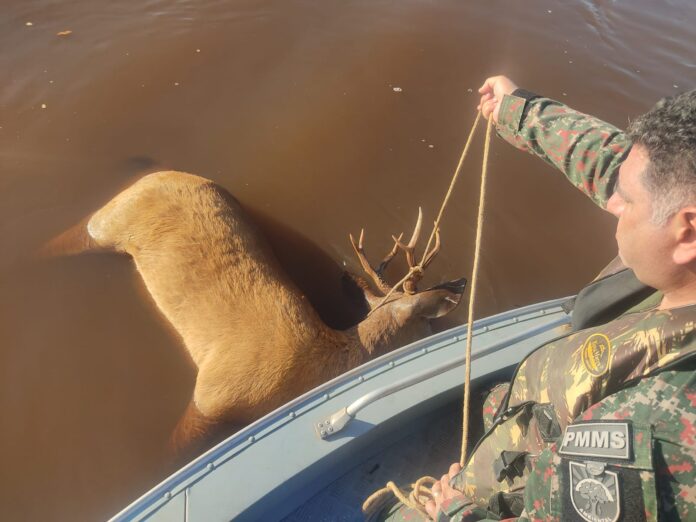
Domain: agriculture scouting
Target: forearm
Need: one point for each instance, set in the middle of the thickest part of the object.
(585, 149)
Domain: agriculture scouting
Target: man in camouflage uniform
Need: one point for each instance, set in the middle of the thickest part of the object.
(627, 450)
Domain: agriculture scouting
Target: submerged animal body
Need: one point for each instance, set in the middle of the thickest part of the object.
(254, 337)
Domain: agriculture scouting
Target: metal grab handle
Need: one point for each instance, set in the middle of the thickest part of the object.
(337, 421)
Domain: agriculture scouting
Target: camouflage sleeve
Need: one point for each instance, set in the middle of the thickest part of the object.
(587, 150)
(659, 481)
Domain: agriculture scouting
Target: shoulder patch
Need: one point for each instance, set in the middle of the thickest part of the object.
(603, 439)
(596, 354)
(594, 492)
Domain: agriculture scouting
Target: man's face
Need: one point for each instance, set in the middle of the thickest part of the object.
(643, 246)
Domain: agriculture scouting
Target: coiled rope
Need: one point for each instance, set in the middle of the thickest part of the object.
(420, 493)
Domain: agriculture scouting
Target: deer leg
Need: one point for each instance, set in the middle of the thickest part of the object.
(195, 433)
(192, 429)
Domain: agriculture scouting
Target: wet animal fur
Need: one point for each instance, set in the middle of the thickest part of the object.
(254, 337)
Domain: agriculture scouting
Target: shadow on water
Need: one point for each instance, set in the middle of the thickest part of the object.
(313, 271)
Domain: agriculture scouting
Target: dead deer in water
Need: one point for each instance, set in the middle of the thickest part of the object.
(255, 339)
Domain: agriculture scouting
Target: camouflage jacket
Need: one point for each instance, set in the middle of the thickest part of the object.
(662, 436)
(587, 150)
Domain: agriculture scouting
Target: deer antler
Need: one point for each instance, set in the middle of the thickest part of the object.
(415, 270)
(377, 275)
(415, 273)
(429, 256)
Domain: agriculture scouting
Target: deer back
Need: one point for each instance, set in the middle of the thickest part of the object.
(207, 267)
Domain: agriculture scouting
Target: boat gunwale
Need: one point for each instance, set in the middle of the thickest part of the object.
(197, 469)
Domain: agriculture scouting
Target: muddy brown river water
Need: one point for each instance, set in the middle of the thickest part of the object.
(321, 117)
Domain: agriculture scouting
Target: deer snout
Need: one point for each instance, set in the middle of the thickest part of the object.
(436, 301)
(457, 286)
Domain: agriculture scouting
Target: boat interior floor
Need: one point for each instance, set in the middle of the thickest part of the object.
(428, 445)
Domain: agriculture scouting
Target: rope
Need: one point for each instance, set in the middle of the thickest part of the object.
(420, 494)
(415, 500)
(451, 187)
(419, 266)
(472, 295)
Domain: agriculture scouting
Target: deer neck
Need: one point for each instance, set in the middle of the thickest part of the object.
(382, 331)
(376, 335)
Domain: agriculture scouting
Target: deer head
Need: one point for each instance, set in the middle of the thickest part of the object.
(400, 316)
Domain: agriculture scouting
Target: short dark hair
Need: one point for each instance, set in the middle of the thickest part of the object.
(668, 134)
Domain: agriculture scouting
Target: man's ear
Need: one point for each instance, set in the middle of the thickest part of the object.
(684, 226)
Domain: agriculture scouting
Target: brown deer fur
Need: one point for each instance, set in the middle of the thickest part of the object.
(256, 340)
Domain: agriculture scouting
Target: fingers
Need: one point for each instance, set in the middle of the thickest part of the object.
(497, 86)
(441, 490)
(431, 508)
(454, 469)
(485, 98)
(488, 108)
(492, 92)
(487, 104)
(437, 489)
(489, 84)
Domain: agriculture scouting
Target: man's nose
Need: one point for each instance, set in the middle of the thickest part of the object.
(615, 204)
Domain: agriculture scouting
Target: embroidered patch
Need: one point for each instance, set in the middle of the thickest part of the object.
(596, 354)
(598, 439)
(594, 491)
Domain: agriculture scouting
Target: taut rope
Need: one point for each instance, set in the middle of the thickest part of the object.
(420, 494)
(419, 266)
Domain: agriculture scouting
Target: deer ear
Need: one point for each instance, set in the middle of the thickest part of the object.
(357, 288)
(440, 300)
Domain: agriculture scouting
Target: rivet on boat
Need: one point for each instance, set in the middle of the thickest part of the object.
(424, 350)
(292, 415)
(168, 495)
(330, 429)
(327, 397)
(210, 466)
(252, 439)
(391, 364)
(361, 379)
(323, 433)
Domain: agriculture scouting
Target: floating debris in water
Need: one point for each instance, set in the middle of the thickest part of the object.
(431, 146)
(549, 11)
(67, 32)
(469, 90)
(397, 89)
(28, 24)
(198, 50)
(43, 105)
(176, 84)
(675, 86)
